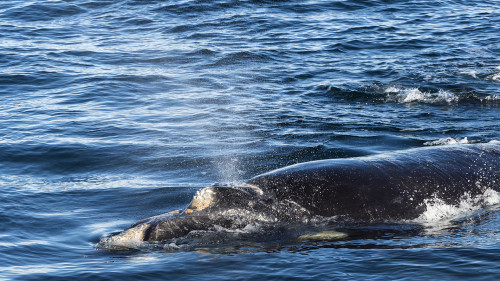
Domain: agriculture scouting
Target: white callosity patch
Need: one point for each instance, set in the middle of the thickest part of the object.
(130, 238)
(437, 210)
(201, 200)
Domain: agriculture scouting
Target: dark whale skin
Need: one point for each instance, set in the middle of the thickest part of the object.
(386, 187)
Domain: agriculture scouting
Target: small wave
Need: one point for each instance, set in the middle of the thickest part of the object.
(495, 76)
(439, 211)
(416, 95)
(449, 140)
(43, 12)
(393, 94)
(242, 57)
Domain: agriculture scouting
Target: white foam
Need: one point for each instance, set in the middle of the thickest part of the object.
(495, 77)
(412, 95)
(416, 95)
(438, 211)
(472, 73)
(493, 97)
(446, 141)
(392, 89)
(450, 141)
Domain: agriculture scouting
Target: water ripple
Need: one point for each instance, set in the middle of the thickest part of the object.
(112, 111)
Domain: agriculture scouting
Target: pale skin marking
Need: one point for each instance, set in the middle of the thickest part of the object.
(323, 235)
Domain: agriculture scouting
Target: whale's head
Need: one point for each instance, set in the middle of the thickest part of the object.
(222, 197)
(228, 207)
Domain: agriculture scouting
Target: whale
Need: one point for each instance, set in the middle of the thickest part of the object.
(381, 188)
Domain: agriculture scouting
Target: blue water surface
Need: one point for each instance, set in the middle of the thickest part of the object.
(113, 111)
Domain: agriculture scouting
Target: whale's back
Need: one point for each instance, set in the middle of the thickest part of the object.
(389, 186)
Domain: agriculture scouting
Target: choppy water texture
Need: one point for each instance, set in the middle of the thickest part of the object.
(112, 111)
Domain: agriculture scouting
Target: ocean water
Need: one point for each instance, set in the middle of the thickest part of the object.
(113, 111)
